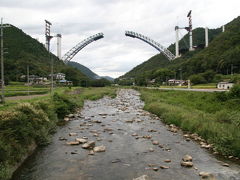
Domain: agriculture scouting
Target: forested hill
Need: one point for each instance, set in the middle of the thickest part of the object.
(160, 61)
(222, 53)
(23, 49)
(84, 70)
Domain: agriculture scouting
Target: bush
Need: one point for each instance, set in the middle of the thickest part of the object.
(63, 105)
(221, 96)
(235, 91)
(26, 125)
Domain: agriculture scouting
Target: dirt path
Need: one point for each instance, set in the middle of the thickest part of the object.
(136, 143)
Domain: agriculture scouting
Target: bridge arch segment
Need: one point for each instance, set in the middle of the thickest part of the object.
(151, 42)
(72, 52)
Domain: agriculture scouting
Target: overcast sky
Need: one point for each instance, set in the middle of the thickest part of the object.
(116, 54)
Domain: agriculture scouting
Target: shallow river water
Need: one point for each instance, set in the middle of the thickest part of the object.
(128, 133)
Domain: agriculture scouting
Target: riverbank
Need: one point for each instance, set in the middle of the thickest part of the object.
(29, 123)
(213, 116)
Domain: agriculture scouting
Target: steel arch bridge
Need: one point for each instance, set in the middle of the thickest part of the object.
(72, 52)
(151, 42)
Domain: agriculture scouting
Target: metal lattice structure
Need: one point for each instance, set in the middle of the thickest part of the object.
(151, 42)
(72, 52)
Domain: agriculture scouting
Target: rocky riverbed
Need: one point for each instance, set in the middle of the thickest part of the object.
(115, 139)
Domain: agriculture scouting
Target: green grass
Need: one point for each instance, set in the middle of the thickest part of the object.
(205, 86)
(199, 86)
(27, 122)
(19, 89)
(210, 115)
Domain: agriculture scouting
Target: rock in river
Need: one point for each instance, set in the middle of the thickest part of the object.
(66, 119)
(99, 149)
(207, 176)
(164, 167)
(155, 142)
(91, 152)
(72, 134)
(88, 145)
(144, 177)
(73, 143)
(81, 140)
(187, 158)
(186, 164)
(187, 161)
(167, 160)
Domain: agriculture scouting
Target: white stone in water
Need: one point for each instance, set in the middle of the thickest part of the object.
(81, 140)
(66, 119)
(99, 149)
(88, 145)
(151, 150)
(143, 177)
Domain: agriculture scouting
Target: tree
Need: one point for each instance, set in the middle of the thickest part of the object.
(197, 79)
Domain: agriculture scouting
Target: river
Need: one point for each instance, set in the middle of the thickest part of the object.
(137, 143)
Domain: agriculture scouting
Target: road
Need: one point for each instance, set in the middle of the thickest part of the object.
(186, 89)
(136, 143)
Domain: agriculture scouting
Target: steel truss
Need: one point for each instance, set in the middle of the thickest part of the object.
(72, 52)
(151, 42)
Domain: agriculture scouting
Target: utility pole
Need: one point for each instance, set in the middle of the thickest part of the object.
(180, 73)
(231, 69)
(28, 77)
(51, 75)
(2, 61)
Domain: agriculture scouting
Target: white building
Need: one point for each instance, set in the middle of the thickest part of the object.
(224, 85)
(175, 82)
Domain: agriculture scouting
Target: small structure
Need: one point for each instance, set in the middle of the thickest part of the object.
(175, 82)
(152, 81)
(34, 79)
(225, 85)
(65, 82)
(58, 76)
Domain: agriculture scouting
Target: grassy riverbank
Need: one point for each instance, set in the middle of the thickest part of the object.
(214, 116)
(30, 123)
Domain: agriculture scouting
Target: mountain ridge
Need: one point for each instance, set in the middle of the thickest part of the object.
(24, 50)
(88, 72)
